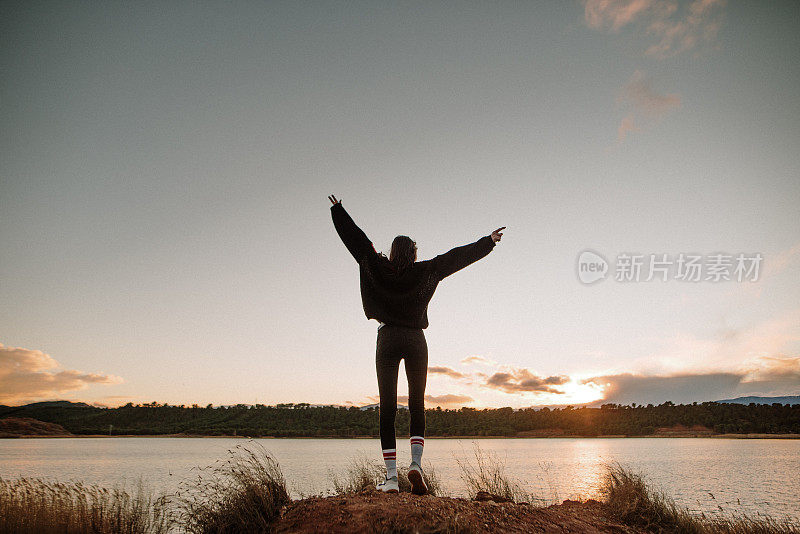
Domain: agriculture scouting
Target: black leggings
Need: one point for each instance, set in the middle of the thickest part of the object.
(396, 343)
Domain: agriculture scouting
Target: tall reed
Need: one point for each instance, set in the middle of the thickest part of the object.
(33, 505)
(242, 493)
(629, 499)
(488, 474)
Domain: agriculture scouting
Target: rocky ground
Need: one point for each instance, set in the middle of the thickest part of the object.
(372, 511)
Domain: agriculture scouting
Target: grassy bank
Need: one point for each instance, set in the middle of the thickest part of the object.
(247, 492)
(629, 499)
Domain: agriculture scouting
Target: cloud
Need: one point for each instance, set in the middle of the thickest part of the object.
(645, 105)
(452, 373)
(768, 376)
(628, 124)
(614, 14)
(27, 375)
(639, 93)
(627, 388)
(522, 380)
(673, 27)
(770, 373)
(505, 378)
(699, 23)
(478, 360)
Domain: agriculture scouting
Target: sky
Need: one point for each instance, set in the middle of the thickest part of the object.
(165, 232)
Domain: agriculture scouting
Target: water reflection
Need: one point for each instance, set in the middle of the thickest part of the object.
(590, 456)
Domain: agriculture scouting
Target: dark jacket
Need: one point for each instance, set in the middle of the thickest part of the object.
(402, 298)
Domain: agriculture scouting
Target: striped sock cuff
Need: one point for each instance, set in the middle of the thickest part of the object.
(389, 454)
(417, 440)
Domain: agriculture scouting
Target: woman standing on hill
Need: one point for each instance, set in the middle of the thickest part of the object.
(395, 291)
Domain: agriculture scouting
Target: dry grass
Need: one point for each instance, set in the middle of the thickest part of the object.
(487, 473)
(633, 502)
(364, 472)
(32, 505)
(242, 493)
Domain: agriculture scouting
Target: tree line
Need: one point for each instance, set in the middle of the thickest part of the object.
(303, 420)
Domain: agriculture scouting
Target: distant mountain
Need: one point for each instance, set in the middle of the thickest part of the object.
(789, 399)
(57, 404)
(37, 409)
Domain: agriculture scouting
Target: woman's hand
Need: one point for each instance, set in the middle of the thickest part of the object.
(333, 200)
(497, 234)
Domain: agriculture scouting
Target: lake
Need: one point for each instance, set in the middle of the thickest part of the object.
(740, 475)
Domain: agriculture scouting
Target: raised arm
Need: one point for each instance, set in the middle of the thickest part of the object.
(459, 257)
(352, 236)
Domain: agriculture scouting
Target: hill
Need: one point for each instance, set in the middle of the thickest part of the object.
(791, 399)
(57, 404)
(11, 427)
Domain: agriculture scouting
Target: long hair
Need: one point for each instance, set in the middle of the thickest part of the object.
(403, 253)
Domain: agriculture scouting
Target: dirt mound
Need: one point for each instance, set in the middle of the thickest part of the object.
(25, 426)
(373, 511)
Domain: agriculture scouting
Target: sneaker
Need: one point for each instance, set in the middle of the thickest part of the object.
(418, 486)
(389, 485)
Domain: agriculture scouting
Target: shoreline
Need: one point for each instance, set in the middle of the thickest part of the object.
(203, 436)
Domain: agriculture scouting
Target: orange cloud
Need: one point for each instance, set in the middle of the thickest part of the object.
(615, 13)
(773, 369)
(522, 380)
(478, 360)
(639, 93)
(27, 375)
(698, 23)
(675, 27)
(452, 373)
(646, 106)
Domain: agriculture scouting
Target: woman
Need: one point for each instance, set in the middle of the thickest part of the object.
(395, 291)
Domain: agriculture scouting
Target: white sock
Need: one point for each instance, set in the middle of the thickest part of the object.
(390, 458)
(417, 443)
